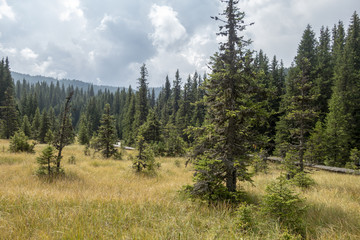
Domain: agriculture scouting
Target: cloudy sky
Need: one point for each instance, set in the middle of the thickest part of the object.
(106, 42)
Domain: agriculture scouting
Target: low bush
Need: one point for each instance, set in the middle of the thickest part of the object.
(282, 204)
(19, 143)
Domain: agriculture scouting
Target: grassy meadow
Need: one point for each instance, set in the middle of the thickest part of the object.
(105, 199)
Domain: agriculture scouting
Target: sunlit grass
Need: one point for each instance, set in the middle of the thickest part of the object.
(106, 199)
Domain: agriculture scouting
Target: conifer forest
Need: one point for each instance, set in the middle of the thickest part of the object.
(227, 154)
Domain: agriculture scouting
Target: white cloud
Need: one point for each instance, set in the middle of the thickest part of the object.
(199, 48)
(106, 19)
(28, 54)
(41, 68)
(167, 28)
(7, 51)
(6, 11)
(71, 9)
(92, 55)
(44, 68)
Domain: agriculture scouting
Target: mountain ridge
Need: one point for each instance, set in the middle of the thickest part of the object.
(68, 82)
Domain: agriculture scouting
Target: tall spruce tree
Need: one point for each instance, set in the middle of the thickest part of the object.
(176, 95)
(10, 114)
(35, 127)
(221, 150)
(351, 78)
(298, 104)
(337, 131)
(8, 108)
(324, 73)
(128, 134)
(142, 103)
(84, 136)
(300, 112)
(44, 126)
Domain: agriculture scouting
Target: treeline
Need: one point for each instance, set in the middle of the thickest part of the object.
(35, 109)
(311, 109)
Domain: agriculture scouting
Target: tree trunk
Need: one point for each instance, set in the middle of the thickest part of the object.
(231, 179)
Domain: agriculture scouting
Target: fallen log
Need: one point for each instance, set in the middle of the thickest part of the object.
(321, 167)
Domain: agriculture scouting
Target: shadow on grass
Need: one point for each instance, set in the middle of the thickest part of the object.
(322, 218)
(68, 176)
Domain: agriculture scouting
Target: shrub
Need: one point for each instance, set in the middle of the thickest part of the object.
(259, 162)
(245, 217)
(303, 180)
(19, 143)
(355, 158)
(87, 150)
(177, 163)
(49, 137)
(72, 160)
(118, 155)
(145, 160)
(282, 204)
(290, 164)
(158, 148)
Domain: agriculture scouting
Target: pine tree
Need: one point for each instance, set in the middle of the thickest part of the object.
(9, 114)
(26, 126)
(128, 133)
(151, 129)
(306, 48)
(300, 113)
(221, 151)
(142, 103)
(324, 72)
(52, 119)
(337, 131)
(84, 137)
(44, 126)
(107, 133)
(342, 122)
(298, 103)
(35, 127)
(6, 82)
(351, 78)
(315, 146)
(176, 95)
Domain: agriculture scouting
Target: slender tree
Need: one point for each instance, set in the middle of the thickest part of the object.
(65, 134)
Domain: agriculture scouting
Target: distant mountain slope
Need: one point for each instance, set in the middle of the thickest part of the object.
(76, 83)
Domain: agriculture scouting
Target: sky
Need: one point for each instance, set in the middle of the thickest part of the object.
(106, 42)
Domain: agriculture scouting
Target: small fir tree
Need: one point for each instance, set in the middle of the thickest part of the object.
(107, 133)
(47, 162)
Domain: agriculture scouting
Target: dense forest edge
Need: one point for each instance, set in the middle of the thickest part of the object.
(225, 123)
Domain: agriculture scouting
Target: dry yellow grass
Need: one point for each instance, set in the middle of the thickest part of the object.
(105, 199)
